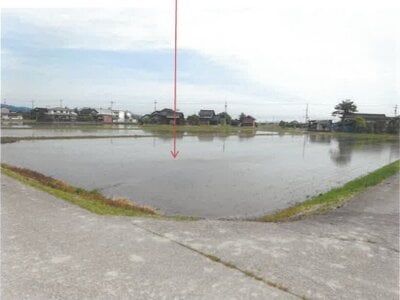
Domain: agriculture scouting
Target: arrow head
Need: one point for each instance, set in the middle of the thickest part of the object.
(174, 154)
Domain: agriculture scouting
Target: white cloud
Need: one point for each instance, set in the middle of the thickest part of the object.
(312, 51)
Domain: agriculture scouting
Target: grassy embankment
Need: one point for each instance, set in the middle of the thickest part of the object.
(90, 200)
(197, 129)
(335, 197)
(93, 201)
(13, 139)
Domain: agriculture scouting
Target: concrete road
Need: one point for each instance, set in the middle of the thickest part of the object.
(54, 250)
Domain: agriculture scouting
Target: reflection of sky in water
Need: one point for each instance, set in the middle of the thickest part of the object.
(214, 176)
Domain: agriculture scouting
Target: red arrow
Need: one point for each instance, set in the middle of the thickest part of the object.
(174, 152)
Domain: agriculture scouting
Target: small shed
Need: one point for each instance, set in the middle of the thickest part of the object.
(320, 125)
(249, 121)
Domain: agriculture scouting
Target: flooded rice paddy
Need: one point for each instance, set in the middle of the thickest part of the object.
(215, 177)
(35, 132)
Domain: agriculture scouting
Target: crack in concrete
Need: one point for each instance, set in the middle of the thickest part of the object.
(368, 241)
(333, 236)
(224, 263)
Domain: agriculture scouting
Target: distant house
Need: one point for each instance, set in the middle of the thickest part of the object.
(123, 116)
(129, 117)
(15, 116)
(208, 117)
(118, 116)
(87, 111)
(5, 112)
(55, 114)
(375, 122)
(248, 121)
(105, 115)
(87, 114)
(348, 118)
(320, 125)
(61, 114)
(164, 116)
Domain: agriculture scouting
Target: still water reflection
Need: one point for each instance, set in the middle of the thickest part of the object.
(214, 176)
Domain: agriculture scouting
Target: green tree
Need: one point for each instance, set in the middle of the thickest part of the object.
(193, 120)
(360, 125)
(393, 126)
(227, 117)
(343, 108)
(242, 117)
(144, 120)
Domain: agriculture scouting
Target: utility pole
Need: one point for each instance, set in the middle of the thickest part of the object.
(61, 103)
(395, 110)
(33, 103)
(307, 113)
(111, 104)
(155, 105)
(174, 153)
(4, 101)
(226, 107)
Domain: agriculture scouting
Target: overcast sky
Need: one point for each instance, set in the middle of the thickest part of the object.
(267, 59)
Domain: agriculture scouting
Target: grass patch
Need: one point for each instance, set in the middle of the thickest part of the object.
(93, 201)
(8, 139)
(90, 200)
(197, 129)
(334, 197)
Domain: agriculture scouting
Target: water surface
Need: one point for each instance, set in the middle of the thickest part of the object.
(217, 177)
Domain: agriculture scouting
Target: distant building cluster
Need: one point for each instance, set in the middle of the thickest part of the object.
(350, 121)
(86, 114)
(6, 114)
(358, 122)
(166, 116)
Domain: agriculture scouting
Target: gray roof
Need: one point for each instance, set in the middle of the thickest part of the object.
(320, 121)
(168, 113)
(367, 117)
(60, 108)
(206, 114)
(105, 112)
